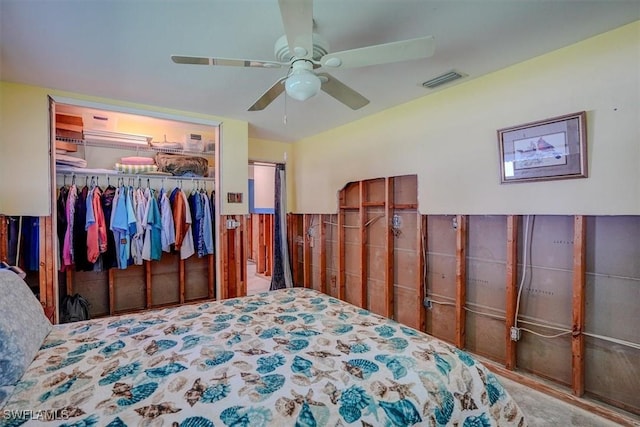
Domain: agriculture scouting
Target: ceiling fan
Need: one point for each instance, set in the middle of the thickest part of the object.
(303, 51)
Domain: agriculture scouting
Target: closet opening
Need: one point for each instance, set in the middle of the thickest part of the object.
(158, 248)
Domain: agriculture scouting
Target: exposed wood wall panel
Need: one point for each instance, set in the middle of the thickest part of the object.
(612, 292)
(163, 279)
(485, 294)
(472, 277)
(441, 271)
(546, 296)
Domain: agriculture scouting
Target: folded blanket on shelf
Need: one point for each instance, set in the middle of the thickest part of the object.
(135, 168)
(63, 159)
(137, 160)
(167, 145)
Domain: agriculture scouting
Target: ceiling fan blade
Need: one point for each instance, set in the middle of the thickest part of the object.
(226, 62)
(342, 92)
(404, 50)
(297, 18)
(269, 96)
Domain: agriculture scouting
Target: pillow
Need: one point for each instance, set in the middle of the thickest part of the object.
(23, 327)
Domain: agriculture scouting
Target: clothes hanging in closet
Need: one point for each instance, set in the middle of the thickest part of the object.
(122, 226)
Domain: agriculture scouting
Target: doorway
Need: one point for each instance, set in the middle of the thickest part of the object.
(260, 226)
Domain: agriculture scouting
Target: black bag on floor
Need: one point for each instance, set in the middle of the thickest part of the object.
(74, 308)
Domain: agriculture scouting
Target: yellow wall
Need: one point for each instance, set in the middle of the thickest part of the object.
(24, 149)
(262, 150)
(449, 138)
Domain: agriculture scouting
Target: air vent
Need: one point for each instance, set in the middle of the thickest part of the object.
(443, 79)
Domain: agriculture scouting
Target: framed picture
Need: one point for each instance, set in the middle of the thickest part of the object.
(548, 149)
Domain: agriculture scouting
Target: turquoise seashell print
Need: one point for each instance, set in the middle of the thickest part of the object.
(397, 344)
(351, 414)
(409, 331)
(215, 393)
(270, 383)
(117, 422)
(190, 316)
(494, 389)
(245, 319)
(151, 322)
(91, 420)
(307, 318)
(305, 417)
(238, 416)
(479, 421)
(268, 364)
(218, 327)
(129, 370)
(271, 332)
(191, 341)
(120, 322)
(112, 348)
(445, 410)
(83, 348)
(297, 345)
(359, 347)
(66, 362)
(138, 394)
(52, 343)
(394, 364)
(133, 331)
(196, 422)
(81, 330)
(401, 413)
(61, 389)
(164, 371)
(361, 368)
(285, 319)
(304, 333)
(342, 329)
(219, 358)
(301, 366)
(385, 331)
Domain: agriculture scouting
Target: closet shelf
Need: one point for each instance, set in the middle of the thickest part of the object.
(132, 147)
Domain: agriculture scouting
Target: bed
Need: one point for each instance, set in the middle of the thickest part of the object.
(287, 357)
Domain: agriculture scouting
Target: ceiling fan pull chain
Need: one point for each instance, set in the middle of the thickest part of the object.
(284, 118)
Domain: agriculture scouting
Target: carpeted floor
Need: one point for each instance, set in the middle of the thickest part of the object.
(542, 410)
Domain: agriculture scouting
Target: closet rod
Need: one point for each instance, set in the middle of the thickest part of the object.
(135, 175)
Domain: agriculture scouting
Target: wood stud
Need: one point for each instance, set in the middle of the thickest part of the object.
(362, 232)
(341, 249)
(323, 254)
(421, 233)
(389, 248)
(461, 280)
(511, 289)
(577, 339)
(306, 250)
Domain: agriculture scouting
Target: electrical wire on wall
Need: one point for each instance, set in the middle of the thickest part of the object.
(518, 320)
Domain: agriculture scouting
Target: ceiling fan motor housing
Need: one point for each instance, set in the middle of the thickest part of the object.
(284, 54)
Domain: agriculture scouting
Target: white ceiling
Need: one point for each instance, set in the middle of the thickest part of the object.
(120, 49)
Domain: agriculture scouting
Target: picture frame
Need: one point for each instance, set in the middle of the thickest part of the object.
(550, 149)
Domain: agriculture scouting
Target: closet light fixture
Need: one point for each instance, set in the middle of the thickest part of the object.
(302, 83)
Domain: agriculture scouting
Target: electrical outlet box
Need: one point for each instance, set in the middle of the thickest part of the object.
(427, 303)
(515, 333)
(232, 224)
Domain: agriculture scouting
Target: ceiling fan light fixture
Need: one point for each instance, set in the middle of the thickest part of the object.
(302, 83)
